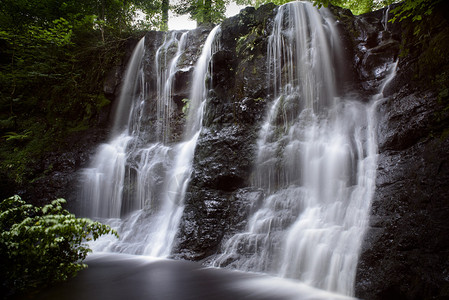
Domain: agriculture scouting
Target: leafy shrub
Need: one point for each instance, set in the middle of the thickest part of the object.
(42, 245)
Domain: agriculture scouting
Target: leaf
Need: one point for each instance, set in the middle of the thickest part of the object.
(45, 244)
(11, 136)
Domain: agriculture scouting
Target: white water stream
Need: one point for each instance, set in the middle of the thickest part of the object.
(135, 186)
(316, 162)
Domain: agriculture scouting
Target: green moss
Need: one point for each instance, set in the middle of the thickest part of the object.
(246, 44)
(38, 113)
(254, 70)
(444, 134)
(241, 43)
(435, 55)
(19, 157)
(102, 101)
(425, 45)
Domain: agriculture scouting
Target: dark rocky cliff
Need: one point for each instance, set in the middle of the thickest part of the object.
(405, 254)
(406, 250)
(216, 202)
(55, 173)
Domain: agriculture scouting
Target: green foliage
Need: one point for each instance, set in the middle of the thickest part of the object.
(21, 150)
(186, 106)
(42, 245)
(415, 10)
(14, 136)
(54, 58)
(203, 11)
(356, 6)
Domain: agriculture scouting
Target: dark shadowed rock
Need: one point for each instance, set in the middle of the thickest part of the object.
(226, 147)
(405, 253)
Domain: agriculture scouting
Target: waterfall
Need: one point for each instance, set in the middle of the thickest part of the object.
(316, 162)
(103, 182)
(135, 185)
(179, 173)
(385, 18)
(198, 92)
(165, 80)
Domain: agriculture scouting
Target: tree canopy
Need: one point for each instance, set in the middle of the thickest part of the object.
(409, 8)
(203, 11)
(55, 55)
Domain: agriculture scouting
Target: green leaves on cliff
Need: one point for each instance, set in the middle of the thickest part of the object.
(42, 245)
(54, 57)
(356, 6)
(203, 11)
(414, 9)
(14, 136)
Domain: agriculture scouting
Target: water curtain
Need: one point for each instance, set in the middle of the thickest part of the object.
(316, 162)
(138, 186)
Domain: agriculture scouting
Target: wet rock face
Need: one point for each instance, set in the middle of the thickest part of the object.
(181, 81)
(60, 167)
(371, 43)
(225, 150)
(405, 251)
(404, 255)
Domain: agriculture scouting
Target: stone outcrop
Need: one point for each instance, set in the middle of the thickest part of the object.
(405, 252)
(404, 255)
(214, 205)
(56, 171)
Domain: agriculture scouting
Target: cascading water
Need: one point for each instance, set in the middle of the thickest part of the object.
(179, 174)
(385, 18)
(316, 162)
(102, 192)
(138, 186)
(165, 78)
